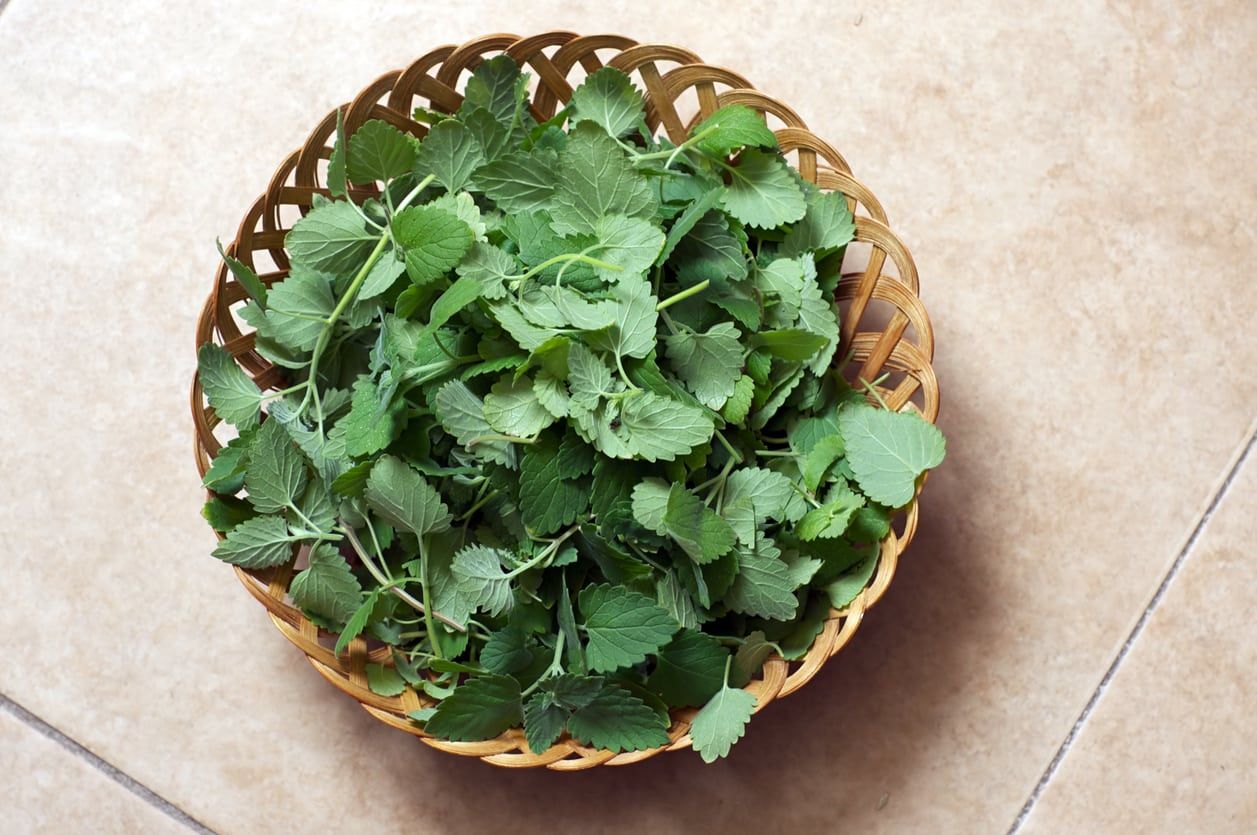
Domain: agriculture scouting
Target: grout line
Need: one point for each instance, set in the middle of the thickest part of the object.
(1135, 632)
(108, 769)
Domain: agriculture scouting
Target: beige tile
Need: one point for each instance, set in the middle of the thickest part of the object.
(1171, 745)
(1075, 182)
(46, 789)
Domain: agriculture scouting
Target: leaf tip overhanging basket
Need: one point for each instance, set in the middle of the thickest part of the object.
(882, 322)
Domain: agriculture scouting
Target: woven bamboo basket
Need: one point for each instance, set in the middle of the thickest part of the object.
(883, 323)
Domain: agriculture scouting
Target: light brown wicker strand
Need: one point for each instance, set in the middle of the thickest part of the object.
(667, 74)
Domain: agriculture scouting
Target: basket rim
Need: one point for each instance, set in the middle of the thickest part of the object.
(887, 348)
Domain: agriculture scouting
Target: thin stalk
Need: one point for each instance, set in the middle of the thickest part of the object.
(433, 636)
(559, 259)
(684, 294)
(510, 439)
(873, 391)
(392, 589)
(326, 334)
(424, 183)
(556, 665)
(733, 453)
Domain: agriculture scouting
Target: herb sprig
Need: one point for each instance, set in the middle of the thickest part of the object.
(563, 427)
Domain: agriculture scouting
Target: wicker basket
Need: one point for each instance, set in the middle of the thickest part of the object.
(882, 322)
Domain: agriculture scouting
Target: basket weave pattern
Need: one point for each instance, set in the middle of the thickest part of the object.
(883, 323)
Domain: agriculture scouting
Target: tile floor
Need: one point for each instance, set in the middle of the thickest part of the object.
(1068, 646)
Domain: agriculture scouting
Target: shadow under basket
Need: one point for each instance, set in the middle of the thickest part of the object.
(884, 326)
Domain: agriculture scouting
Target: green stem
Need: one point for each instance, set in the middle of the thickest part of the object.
(556, 665)
(619, 363)
(775, 453)
(559, 259)
(424, 183)
(326, 334)
(733, 453)
(873, 391)
(510, 439)
(433, 636)
(671, 153)
(542, 555)
(684, 294)
(384, 581)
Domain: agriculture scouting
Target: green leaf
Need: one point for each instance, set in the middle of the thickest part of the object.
(336, 181)
(226, 472)
(650, 503)
(623, 626)
(547, 500)
(327, 586)
(633, 334)
(231, 392)
(379, 151)
(461, 414)
(630, 243)
(260, 542)
(773, 495)
(507, 652)
(709, 363)
(382, 276)
(675, 599)
(331, 238)
(480, 708)
(490, 266)
(721, 723)
(450, 153)
(276, 473)
(366, 429)
(762, 192)
(496, 86)
(817, 317)
(617, 720)
(299, 306)
(385, 681)
(792, 344)
(597, 179)
(608, 99)
(827, 226)
(733, 126)
(690, 670)
(844, 590)
(357, 621)
(764, 586)
(738, 406)
(511, 407)
(888, 451)
(478, 570)
(749, 658)
(698, 529)
(710, 252)
(245, 275)
(588, 376)
(523, 181)
(831, 519)
(658, 428)
(223, 514)
(688, 219)
(457, 296)
(399, 494)
(433, 240)
(817, 462)
(543, 722)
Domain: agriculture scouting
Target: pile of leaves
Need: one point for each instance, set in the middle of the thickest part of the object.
(562, 424)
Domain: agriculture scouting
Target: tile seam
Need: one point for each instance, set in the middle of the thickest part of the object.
(1237, 464)
(117, 775)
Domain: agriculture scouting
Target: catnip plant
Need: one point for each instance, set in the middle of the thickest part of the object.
(562, 422)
